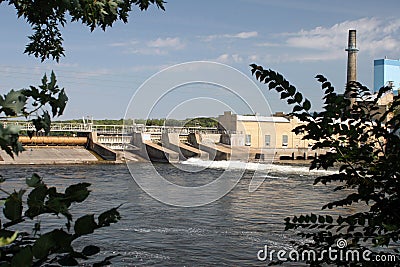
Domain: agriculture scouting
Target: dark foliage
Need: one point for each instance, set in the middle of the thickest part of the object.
(46, 18)
(46, 246)
(366, 146)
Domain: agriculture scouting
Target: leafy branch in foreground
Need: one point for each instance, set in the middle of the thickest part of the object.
(46, 18)
(30, 103)
(366, 142)
(54, 247)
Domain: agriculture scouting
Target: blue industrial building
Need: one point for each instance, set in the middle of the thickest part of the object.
(387, 73)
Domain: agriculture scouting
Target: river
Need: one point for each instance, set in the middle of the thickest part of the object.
(227, 232)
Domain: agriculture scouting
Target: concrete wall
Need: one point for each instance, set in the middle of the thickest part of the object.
(210, 138)
(139, 139)
(228, 122)
(168, 139)
(101, 150)
(104, 152)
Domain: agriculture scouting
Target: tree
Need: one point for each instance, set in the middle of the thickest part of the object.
(50, 246)
(367, 152)
(46, 18)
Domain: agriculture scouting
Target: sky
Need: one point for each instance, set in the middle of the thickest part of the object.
(299, 38)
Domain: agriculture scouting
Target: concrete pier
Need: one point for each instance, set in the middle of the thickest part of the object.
(173, 142)
(152, 151)
(103, 151)
(161, 154)
(209, 144)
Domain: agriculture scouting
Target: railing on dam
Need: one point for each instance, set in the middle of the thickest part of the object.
(173, 129)
(73, 127)
(111, 129)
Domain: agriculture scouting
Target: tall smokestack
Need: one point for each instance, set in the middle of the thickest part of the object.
(352, 57)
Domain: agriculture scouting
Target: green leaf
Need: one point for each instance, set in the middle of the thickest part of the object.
(62, 102)
(43, 122)
(52, 85)
(109, 217)
(90, 250)
(284, 95)
(77, 192)
(388, 227)
(326, 85)
(298, 97)
(291, 90)
(35, 201)
(85, 225)
(271, 85)
(34, 181)
(58, 205)
(313, 218)
(42, 245)
(23, 258)
(68, 260)
(13, 103)
(320, 78)
(55, 241)
(306, 105)
(13, 207)
(297, 108)
(329, 219)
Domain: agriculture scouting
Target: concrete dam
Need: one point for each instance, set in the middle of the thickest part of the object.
(116, 143)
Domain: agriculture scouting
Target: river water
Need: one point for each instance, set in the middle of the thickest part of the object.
(227, 232)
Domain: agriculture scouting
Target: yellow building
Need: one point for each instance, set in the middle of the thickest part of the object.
(262, 132)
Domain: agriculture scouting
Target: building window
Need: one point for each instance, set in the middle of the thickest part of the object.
(267, 140)
(285, 140)
(248, 140)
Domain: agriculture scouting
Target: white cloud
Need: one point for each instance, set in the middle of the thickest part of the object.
(159, 46)
(228, 58)
(243, 35)
(254, 58)
(240, 35)
(268, 44)
(374, 36)
(168, 42)
(224, 58)
(124, 44)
